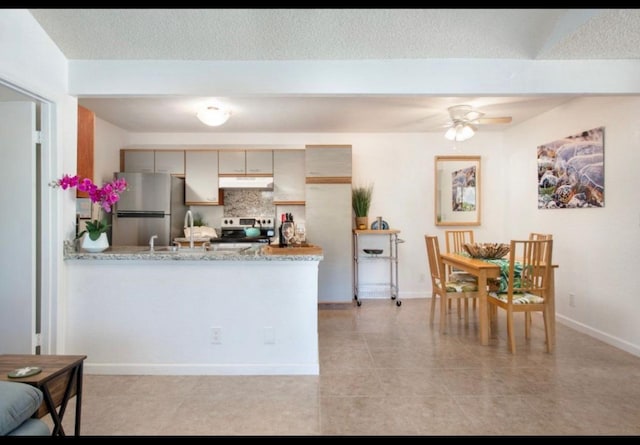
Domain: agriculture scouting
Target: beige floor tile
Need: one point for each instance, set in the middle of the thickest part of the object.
(385, 370)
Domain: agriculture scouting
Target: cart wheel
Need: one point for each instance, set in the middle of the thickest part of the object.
(393, 297)
(398, 303)
(359, 302)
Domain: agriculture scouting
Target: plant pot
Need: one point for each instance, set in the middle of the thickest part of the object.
(362, 222)
(99, 245)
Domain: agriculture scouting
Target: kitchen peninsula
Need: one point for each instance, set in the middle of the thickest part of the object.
(132, 311)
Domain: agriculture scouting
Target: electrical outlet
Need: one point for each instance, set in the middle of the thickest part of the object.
(216, 335)
(572, 300)
(269, 335)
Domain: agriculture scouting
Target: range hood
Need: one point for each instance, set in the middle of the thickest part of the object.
(246, 182)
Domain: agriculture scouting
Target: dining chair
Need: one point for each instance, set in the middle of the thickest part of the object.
(527, 289)
(527, 315)
(445, 289)
(454, 242)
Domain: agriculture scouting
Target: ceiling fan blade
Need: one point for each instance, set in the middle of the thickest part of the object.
(493, 120)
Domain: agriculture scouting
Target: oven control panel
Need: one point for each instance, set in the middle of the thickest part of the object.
(264, 222)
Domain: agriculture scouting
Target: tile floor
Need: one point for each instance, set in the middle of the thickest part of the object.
(385, 371)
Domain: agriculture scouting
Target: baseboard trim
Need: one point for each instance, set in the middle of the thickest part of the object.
(602, 336)
(199, 369)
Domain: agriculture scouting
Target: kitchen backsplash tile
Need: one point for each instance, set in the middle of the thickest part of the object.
(247, 202)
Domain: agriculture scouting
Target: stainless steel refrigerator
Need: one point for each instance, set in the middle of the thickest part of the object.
(153, 204)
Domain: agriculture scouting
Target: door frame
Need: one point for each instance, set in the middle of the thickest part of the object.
(48, 258)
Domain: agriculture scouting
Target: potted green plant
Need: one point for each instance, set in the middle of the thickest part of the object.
(361, 201)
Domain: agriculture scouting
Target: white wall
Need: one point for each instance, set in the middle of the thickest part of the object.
(108, 139)
(595, 248)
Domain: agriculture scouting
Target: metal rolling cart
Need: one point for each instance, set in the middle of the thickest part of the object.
(392, 258)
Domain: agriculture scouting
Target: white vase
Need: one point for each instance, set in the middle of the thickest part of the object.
(99, 245)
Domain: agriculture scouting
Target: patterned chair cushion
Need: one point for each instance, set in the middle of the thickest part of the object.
(525, 298)
(461, 286)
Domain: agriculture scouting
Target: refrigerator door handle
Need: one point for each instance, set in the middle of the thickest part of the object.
(141, 214)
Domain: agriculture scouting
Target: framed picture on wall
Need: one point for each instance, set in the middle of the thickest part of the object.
(571, 171)
(457, 190)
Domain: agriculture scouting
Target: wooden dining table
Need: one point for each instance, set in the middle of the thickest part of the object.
(485, 270)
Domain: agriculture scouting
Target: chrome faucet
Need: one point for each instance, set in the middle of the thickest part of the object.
(188, 219)
(151, 242)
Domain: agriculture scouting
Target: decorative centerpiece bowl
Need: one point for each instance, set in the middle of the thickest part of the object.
(487, 250)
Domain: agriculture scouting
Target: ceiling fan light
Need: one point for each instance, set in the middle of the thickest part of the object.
(451, 133)
(460, 132)
(466, 132)
(213, 116)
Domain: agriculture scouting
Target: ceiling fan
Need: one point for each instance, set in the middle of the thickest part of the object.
(464, 120)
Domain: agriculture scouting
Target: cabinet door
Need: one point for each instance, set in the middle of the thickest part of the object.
(232, 162)
(201, 177)
(169, 161)
(86, 127)
(259, 162)
(141, 161)
(328, 224)
(328, 161)
(288, 176)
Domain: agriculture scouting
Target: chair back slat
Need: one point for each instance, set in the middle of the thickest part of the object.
(455, 239)
(529, 267)
(435, 262)
(454, 242)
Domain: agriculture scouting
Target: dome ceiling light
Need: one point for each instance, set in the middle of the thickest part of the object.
(213, 116)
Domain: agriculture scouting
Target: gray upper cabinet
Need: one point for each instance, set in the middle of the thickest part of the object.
(328, 161)
(139, 161)
(201, 177)
(153, 161)
(169, 161)
(288, 176)
(231, 162)
(246, 162)
(259, 162)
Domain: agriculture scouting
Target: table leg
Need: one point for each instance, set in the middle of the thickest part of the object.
(552, 310)
(483, 310)
(79, 378)
(58, 430)
(75, 374)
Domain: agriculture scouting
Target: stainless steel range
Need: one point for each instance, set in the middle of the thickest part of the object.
(232, 230)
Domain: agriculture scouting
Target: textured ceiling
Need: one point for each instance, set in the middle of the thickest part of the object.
(295, 34)
(333, 34)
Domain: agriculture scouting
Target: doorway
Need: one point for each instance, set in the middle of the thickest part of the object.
(28, 286)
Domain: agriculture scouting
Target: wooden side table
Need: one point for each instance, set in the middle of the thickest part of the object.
(60, 379)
